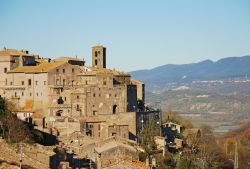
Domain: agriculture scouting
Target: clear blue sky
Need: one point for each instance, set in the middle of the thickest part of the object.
(138, 34)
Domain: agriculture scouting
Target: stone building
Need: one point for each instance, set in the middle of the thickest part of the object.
(65, 87)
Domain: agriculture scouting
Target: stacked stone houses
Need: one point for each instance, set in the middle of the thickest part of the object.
(63, 95)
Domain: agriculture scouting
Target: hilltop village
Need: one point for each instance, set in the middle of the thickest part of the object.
(90, 116)
(64, 89)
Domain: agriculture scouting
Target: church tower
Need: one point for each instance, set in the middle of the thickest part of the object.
(99, 56)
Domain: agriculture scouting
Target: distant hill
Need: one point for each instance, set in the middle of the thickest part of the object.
(205, 70)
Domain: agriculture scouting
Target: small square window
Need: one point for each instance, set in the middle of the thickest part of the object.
(5, 70)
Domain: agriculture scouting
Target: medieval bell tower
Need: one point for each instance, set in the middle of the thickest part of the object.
(99, 56)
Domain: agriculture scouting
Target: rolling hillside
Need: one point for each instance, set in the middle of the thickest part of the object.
(205, 70)
(213, 93)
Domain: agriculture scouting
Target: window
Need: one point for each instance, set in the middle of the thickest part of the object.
(96, 54)
(65, 99)
(29, 82)
(36, 82)
(77, 97)
(94, 95)
(60, 100)
(104, 82)
(77, 107)
(114, 109)
(95, 62)
(15, 94)
(63, 70)
(5, 70)
(57, 70)
(36, 94)
(30, 94)
(73, 70)
(63, 81)
(59, 113)
(22, 93)
(11, 83)
(22, 82)
(44, 82)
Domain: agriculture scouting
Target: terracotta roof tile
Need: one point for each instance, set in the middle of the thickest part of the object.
(43, 67)
(13, 52)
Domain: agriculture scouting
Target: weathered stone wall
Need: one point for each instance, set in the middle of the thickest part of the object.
(114, 156)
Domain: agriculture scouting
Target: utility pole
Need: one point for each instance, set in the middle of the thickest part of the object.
(21, 155)
(236, 157)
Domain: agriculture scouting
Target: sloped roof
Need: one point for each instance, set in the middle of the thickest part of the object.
(42, 68)
(98, 46)
(13, 52)
(106, 147)
(103, 71)
(63, 58)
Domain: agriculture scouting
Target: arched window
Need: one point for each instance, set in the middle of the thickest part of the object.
(59, 113)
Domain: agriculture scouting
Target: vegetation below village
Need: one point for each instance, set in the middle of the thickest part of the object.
(14, 130)
(205, 152)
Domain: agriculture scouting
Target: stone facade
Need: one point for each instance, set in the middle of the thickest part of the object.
(65, 87)
(99, 56)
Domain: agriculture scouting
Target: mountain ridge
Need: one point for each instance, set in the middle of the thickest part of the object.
(224, 68)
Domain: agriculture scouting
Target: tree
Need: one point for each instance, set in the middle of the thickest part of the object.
(140, 104)
(3, 107)
(13, 129)
(147, 134)
(16, 131)
(210, 151)
(187, 163)
(172, 116)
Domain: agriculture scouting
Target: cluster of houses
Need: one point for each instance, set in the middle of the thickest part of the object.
(63, 96)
